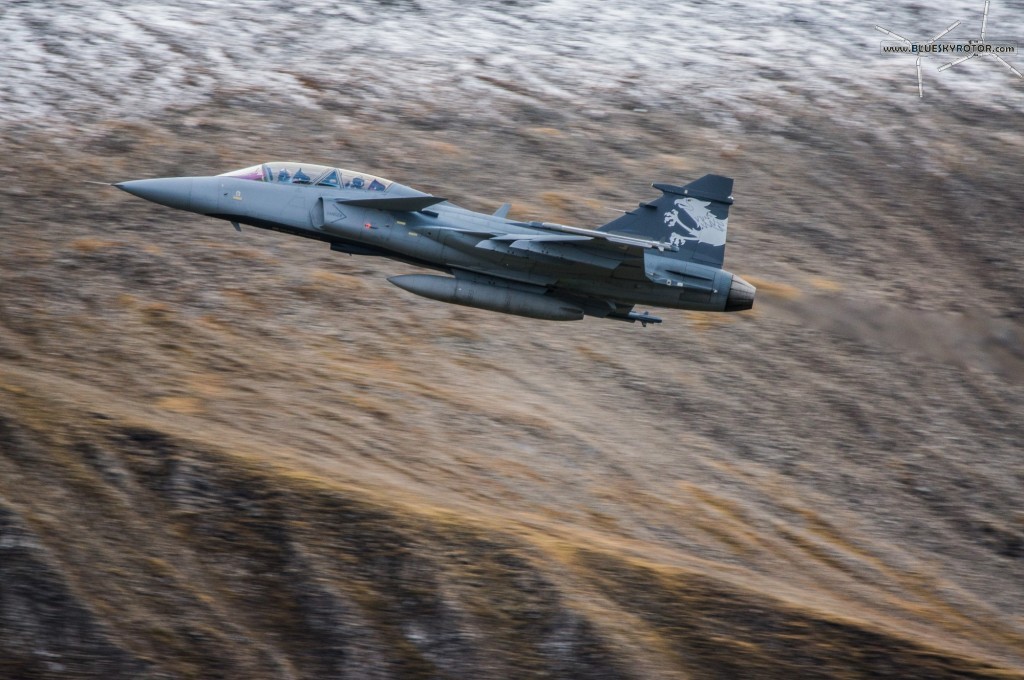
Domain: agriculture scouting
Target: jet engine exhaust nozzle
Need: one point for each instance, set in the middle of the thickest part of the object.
(741, 295)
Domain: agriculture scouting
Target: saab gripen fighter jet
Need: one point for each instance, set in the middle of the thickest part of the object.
(668, 252)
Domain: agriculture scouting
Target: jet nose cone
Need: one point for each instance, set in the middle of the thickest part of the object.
(741, 295)
(174, 192)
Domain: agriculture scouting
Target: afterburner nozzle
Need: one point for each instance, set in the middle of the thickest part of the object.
(741, 295)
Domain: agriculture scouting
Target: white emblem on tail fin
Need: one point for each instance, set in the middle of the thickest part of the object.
(710, 229)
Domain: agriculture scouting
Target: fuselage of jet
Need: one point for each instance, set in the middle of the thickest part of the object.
(502, 264)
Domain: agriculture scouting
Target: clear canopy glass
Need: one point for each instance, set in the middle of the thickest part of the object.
(253, 172)
(289, 172)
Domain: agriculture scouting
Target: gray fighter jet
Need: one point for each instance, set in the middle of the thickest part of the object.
(667, 252)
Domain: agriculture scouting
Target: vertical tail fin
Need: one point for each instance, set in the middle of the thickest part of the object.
(695, 217)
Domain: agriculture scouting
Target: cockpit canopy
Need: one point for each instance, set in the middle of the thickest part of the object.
(287, 172)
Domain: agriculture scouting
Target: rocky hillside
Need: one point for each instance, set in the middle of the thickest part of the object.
(240, 455)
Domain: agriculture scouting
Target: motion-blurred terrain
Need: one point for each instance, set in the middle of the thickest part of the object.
(241, 455)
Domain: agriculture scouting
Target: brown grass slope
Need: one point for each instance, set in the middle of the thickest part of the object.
(177, 558)
(243, 456)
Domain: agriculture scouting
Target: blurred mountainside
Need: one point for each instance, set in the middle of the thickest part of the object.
(242, 455)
